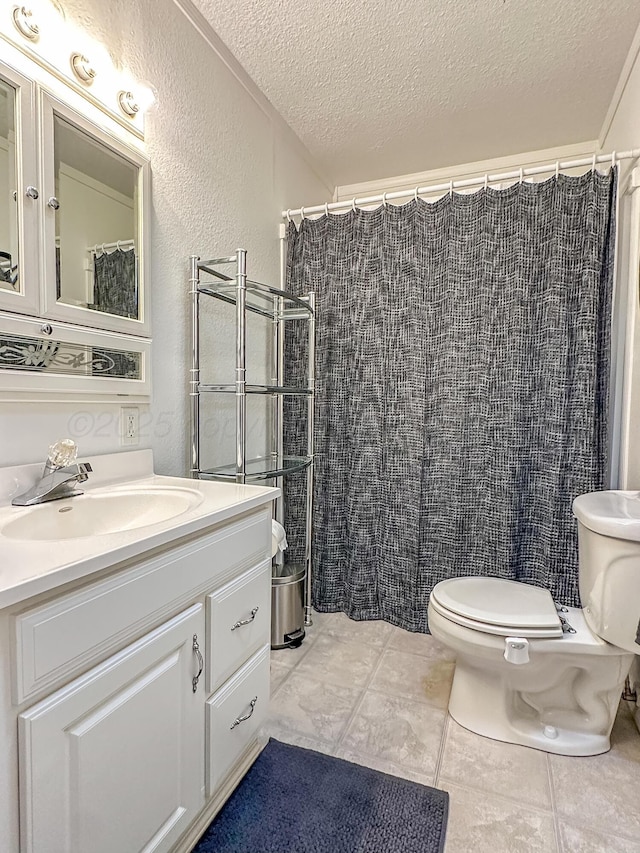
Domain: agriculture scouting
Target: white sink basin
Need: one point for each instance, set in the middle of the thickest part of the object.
(101, 514)
(611, 513)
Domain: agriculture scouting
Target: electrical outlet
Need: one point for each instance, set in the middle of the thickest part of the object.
(129, 426)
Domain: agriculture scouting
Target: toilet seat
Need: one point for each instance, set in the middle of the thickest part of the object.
(495, 606)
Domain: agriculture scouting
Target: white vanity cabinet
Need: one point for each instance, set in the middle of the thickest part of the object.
(137, 696)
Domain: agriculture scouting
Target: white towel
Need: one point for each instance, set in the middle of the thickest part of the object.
(278, 538)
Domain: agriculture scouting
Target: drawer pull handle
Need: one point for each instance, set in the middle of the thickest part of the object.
(246, 621)
(196, 650)
(239, 720)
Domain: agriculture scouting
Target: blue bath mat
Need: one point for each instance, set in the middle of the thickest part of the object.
(294, 800)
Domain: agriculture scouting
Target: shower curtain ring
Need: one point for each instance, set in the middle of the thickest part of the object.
(486, 180)
(289, 214)
(521, 174)
(593, 164)
(326, 208)
(384, 199)
(613, 159)
(451, 189)
(301, 214)
(557, 169)
(415, 194)
(353, 205)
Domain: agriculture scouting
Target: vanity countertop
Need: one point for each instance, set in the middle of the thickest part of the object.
(29, 567)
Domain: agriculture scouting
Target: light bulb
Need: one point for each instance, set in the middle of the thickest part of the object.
(82, 68)
(25, 23)
(128, 104)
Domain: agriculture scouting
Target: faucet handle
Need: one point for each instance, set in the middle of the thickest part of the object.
(84, 469)
(63, 453)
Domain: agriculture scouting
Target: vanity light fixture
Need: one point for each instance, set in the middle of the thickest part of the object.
(128, 103)
(82, 68)
(25, 26)
(40, 31)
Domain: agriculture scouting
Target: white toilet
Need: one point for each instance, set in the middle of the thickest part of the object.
(531, 673)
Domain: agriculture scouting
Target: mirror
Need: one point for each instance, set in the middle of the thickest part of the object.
(97, 227)
(8, 183)
(66, 358)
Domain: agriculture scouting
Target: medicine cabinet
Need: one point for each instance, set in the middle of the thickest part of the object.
(73, 302)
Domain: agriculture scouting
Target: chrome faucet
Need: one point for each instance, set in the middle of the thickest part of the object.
(59, 478)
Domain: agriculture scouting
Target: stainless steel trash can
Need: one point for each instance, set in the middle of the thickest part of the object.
(287, 605)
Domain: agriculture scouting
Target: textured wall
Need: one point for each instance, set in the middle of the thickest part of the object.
(222, 170)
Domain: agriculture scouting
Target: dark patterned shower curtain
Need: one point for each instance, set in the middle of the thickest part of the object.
(462, 390)
(115, 283)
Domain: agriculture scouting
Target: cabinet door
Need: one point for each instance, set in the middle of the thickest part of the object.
(19, 194)
(114, 761)
(94, 259)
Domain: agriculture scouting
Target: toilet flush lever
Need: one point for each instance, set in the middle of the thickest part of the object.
(516, 650)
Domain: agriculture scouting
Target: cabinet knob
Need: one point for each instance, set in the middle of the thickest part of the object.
(46, 329)
(53, 203)
(32, 192)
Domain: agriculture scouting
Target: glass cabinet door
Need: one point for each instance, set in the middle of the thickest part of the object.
(93, 225)
(18, 195)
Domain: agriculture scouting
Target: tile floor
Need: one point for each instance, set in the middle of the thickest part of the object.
(377, 695)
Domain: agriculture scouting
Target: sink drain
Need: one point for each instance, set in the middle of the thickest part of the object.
(65, 509)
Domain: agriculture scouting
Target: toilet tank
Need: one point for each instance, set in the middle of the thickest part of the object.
(610, 587)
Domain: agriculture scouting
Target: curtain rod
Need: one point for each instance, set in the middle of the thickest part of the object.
(450, 186)
(119, 244)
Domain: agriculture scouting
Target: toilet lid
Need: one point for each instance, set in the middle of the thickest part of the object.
(500, 603)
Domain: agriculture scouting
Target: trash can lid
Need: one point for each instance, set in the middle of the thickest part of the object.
(288, 573)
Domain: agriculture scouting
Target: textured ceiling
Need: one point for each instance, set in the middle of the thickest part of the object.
(386, 88)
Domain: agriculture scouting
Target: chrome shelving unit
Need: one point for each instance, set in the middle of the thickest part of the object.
(212, 279)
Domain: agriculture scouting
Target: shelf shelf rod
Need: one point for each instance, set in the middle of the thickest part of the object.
(216, 261)
(241, 333)
(278, 347)
(264, 390)
(194, 380)
(310, 451)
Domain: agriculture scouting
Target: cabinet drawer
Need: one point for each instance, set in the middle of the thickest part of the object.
(233, 716)
(238, 620)
(57, 640)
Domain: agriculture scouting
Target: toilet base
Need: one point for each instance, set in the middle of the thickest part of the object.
(563, 699)
(482, 703)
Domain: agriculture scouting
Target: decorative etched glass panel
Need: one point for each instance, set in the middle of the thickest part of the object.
(59, 357)
(96, 224)
(8, 183)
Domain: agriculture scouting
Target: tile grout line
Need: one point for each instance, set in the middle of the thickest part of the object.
(552, 796)
(549, 812)
(505, 798)
(440, 756)
(365, 687)
(295, 665)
